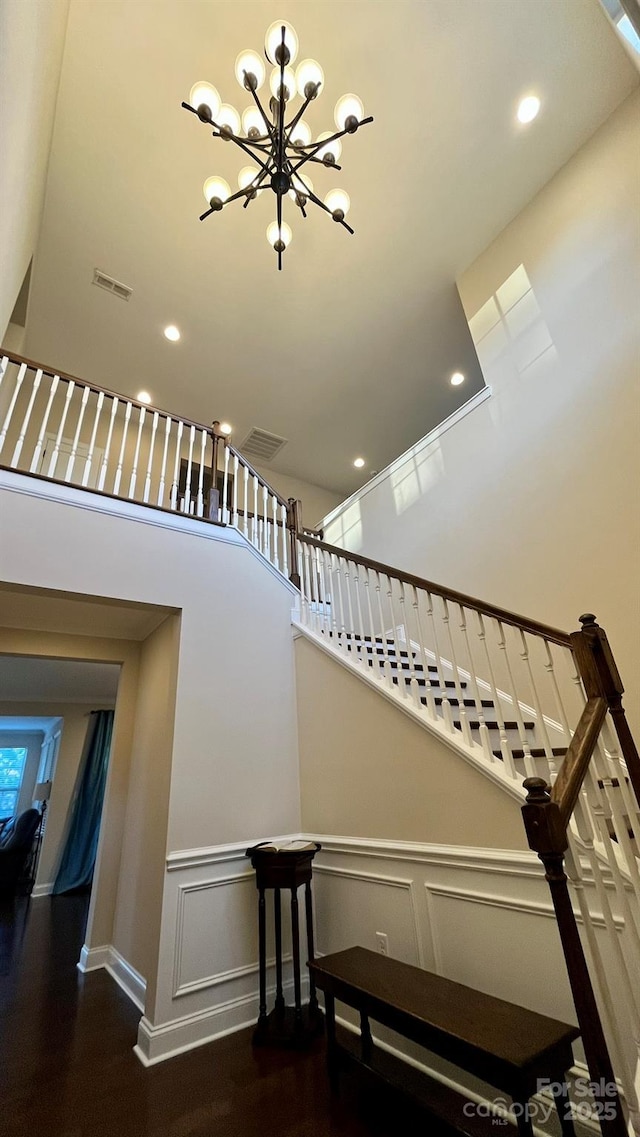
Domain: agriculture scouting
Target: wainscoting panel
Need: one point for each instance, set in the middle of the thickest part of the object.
(352, 905)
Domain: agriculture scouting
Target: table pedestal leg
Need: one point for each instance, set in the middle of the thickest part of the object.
(262, 935)
(332, 1049)
(313, 998)
(278, 937)
(295, 946)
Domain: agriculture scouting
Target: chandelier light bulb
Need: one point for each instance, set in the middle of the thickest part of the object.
(348, 113)
(273, 41)
(215, 189)
(253, 120)
(275, 234)
(246, 176)
(228, 119)
(309, 79)
(251, 63)
(329, 154)
(338, 203)
(300, 187)
(205, 100)
(289, 83)
(301, 133)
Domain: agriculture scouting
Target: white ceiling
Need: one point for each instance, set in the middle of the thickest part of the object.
(350, 348)
(34, 680)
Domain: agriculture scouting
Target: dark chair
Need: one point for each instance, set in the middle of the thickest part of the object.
(16, 845)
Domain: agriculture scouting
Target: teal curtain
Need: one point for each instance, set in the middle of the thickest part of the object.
(79, 855)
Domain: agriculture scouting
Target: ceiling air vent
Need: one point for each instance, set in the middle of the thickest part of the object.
(111, 285)
(262, 445)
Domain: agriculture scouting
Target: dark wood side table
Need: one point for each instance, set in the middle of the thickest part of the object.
(285, 869)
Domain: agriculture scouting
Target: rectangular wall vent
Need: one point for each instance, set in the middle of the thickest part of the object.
(111, 285)
(261, 444)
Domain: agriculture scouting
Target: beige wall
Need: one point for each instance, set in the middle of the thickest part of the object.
(367, 770)
(32, 39)
(136, 933)
(531, 501)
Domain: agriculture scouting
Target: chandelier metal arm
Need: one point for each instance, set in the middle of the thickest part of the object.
(322, 205)
(325, 142)
(269, 125)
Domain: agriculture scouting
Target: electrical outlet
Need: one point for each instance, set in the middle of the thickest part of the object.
(382, 941)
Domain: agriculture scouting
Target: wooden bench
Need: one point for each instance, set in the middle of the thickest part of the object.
(505, 1045)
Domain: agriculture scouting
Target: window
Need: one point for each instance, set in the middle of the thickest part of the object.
(12, 763)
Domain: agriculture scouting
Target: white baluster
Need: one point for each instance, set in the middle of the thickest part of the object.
(186, 504)
(125, 429)
(306, 588)
(147, 481)
(325, 612)
(413, 685)
(107, 450)
(360, 629)
(276, 531)
(402, 688)
(352, 631)
(225, 483)
(265, 524)
(440, 663)
(428, 689)
(65, 410)
(459, 689)
(163, 466)
(381, 667)
(255, 535)
(505, 749)
(541, 723)
(477, 698)
(33, 468)
(173, 498)
(367, 589)
(76, 437)
(25, 422)
(14, 398)
(341, 641)
(551, 672)
(200, 498)
(234, 502)
(285, 541)
(529, 764)
(4, 363)
(136, 454)
(89, 459)
(245, 480)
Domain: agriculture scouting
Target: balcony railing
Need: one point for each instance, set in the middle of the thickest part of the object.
(61, 428)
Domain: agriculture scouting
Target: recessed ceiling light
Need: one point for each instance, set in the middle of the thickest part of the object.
(528, 109)
(172, 333)
(358, 463)
(143, 397)
(456, 379)
(225, 428)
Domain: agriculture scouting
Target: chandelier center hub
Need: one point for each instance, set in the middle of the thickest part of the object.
(280, 183)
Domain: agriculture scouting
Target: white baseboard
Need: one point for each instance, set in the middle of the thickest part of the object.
(156, 1044)
(126, 976)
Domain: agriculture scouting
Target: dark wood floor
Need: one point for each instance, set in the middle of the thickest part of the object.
(67, 1068)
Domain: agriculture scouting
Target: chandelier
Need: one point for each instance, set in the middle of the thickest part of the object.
(283, 151)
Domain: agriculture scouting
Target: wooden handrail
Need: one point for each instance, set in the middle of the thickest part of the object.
(554, 634)
(573, 771)
(67, 378)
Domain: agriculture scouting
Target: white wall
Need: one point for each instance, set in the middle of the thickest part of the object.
(32, 36)
(316, 501)
(234, 762)
(531, 500)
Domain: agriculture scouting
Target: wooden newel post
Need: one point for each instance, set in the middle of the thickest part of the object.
(547, 836)
(214, 495)
(601, 677)
(294, 525)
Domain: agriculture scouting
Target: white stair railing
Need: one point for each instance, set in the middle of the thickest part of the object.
(510, 693)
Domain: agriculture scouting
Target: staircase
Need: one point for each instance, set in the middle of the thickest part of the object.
(536, 709)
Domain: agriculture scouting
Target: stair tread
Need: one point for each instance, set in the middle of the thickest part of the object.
(535, 751)
(436, 683)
